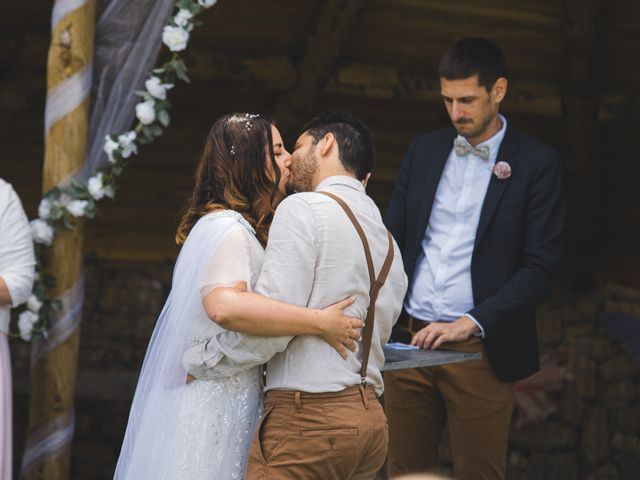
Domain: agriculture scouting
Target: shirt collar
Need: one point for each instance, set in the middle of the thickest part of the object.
(340, 180)
(494, 142)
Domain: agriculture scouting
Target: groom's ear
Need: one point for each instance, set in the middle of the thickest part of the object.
(365, 181)
(326, 144)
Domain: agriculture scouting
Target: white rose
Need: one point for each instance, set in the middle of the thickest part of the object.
(127, 144)
(207, 3)
(175, 38)
(26, 321)
(146, 112)
(156, 88)
(182, 18)
(34, 304)
(44, 209)
(41, 231)
(76, 207)
(110, 146)
(96, 187)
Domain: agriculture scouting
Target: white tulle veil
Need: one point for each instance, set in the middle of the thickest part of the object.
(154, 413)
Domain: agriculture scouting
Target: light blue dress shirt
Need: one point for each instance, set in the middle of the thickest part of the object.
(441, 288)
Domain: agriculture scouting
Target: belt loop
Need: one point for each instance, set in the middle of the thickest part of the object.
(297, 401)
(363, 393)
(410, 322)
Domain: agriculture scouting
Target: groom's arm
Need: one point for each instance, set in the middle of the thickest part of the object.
(287, 275)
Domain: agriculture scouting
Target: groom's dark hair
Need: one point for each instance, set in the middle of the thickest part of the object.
(473, 56)
(355, 143)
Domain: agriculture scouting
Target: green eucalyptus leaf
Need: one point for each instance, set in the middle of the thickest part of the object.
(67, 223)
(56, 305)
(110, 192)
(182, 75)
(38, 290)
(163, 118)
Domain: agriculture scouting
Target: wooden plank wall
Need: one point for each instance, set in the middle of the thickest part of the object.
(245, 57)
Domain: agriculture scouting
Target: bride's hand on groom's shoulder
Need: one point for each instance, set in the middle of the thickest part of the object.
(337, 329)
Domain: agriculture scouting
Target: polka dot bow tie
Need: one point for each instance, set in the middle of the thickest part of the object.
(463, 148)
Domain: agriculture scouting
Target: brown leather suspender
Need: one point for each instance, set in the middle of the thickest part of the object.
(376, 283)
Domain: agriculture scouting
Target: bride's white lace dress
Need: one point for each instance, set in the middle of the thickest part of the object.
(203, 429)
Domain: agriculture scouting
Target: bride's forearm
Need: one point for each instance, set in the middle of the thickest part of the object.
(252, 313)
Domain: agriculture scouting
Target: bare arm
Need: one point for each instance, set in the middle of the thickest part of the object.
(238, 310)
(5, 296)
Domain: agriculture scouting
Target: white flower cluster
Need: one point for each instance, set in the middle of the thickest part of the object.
(176, 36)
(78, 198)
(29, 318)
(96, 186)
(41, 231)
(124, 145)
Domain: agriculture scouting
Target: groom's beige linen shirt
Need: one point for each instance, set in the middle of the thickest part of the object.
(314, 258)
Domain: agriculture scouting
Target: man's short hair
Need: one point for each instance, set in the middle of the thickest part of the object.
(355, 143)
(473, 56)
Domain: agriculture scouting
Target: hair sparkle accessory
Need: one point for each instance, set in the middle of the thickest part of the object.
(248, 123)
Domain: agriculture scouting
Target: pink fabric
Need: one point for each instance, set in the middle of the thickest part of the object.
(6, 426)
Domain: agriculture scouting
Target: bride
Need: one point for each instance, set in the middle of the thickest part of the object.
(195, 424)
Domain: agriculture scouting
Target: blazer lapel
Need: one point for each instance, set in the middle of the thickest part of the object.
(436, 161)
(496, 189)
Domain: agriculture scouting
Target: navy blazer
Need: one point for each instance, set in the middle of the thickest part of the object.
(518, 242)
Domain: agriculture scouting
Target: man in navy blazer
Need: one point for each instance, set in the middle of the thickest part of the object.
(479, 214)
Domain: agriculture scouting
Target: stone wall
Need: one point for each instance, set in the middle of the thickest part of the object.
(592, 434)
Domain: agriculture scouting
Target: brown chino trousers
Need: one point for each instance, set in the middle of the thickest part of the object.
(323, 436)
(476, 404)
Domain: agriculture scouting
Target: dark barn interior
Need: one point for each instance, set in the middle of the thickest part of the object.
(574, 69)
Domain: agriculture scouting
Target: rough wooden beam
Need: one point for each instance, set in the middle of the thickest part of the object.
(583, 156)
(335, 22)
(360, 80)
(533, 14)
(271, 73)
(389, 83)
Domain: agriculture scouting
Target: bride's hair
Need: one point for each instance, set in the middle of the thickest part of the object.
(232, 174)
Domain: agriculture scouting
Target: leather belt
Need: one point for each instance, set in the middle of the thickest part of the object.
(412, 324)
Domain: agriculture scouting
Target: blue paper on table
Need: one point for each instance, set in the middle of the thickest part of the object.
(401, 346)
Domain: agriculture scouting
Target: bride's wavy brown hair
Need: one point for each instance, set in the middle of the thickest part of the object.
(232, 174)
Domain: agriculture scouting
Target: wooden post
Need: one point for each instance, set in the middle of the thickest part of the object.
(582, 153)
(54, 359)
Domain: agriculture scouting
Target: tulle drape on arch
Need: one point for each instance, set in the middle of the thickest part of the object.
(127, 43)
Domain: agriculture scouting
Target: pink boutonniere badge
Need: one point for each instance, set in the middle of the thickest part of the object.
(502, 170)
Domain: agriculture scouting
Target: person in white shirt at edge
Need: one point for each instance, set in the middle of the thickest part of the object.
(17, 271)
(319, 420)
(199, 426)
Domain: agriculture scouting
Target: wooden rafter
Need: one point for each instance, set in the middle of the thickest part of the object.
(334, 24)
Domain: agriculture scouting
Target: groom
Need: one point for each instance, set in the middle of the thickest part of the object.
(321, 418)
